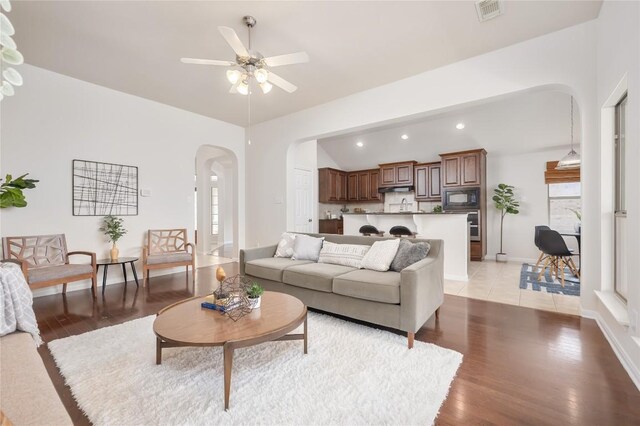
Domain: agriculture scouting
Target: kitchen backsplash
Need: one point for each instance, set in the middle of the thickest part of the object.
(392, 203)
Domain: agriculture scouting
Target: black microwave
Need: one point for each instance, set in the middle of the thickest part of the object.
(461, 199)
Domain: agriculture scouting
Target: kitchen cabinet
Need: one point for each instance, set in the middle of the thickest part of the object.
(352, 190)
(397, 174)
(363, 186)
(332, 185)
(331, 226)
(427, 181)
(374, 179)
(463, 168)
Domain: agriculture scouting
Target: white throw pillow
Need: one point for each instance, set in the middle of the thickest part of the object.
(380, 255)
(343, 254)
(285, 246)
(306, 248)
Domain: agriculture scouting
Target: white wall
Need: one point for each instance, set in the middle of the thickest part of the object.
(618, 50)
(54, 119)
(526, 173)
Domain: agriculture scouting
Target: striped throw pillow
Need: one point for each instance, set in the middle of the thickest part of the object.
(343, 254)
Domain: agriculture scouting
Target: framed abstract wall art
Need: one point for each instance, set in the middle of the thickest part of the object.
(101, 189)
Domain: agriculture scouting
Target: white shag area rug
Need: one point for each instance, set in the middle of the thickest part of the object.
(353, 374)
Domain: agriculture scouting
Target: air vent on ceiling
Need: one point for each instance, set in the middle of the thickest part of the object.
(489, 9)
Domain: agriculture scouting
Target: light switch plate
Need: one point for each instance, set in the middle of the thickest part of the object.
(145, 192)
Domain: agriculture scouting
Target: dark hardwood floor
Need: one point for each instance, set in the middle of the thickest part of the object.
(521, 366)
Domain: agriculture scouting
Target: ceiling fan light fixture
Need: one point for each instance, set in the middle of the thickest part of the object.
(233, 76)
(261, 75)
(266, 87)
(243, 88)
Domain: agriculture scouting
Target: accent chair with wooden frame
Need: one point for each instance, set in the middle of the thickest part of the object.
(167, 248)
(44, 260)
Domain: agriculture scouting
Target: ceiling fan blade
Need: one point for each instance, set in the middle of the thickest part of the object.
(282, 83)
(288, 59)
(206, 62)
(232, 38)
(234, 88)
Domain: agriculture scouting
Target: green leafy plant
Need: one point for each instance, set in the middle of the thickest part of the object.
(11, 191)
(505, 201)
(437, 209)
(113, 228)
(577, 213)
(255, 290)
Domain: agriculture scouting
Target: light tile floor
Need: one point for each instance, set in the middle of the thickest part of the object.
(500, 282)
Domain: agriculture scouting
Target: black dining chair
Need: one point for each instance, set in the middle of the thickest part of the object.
(536, 240)
(402, 231)
(557, 255)
(368, 230)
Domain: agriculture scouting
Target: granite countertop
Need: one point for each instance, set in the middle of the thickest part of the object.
(403, 213)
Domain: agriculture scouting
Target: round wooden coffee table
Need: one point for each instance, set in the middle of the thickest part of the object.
(186, 323)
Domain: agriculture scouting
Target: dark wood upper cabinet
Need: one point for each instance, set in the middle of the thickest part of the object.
(427, 181)
(332, 185)
(451, 171)
(463, 168)
(374, 179)
(342, 192)
(435, 181)
(397, 174)
(363, 186)
(352, 189)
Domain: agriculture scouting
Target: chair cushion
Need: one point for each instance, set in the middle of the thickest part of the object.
(315, 276)
(155, 259)
(46, 273)
(369, 285)
(271, 268)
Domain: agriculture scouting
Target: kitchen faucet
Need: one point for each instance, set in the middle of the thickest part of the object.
(404, 205)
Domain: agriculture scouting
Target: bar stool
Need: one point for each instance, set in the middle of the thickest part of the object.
(402, 231)
(369, 230)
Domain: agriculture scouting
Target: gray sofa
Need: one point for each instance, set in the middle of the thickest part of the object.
(400, 300)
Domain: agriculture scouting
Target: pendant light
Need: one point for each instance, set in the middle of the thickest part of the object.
(572, 159)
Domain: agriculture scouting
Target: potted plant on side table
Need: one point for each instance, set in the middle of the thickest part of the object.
(113, 228)
(506, 202)
(254, 293)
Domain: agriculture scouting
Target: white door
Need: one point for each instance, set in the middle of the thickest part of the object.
(303, 202)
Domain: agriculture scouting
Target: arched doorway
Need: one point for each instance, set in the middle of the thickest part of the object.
(216, 205)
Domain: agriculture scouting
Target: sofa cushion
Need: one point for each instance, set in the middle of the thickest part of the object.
(27, 396)
(369, 285)
(408, 254)
(380, 255)
(271, 268)
(315, 276)
(156, 259)
(307, 248)
(46, 273)
(343, 254)
(285, 246)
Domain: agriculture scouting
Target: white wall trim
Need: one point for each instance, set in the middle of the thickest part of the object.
(618, 349)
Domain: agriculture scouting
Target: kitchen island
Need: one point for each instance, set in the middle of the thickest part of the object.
(453, 228)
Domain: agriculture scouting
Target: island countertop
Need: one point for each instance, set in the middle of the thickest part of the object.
(403, 213)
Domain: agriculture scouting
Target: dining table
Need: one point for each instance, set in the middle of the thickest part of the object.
(576, 235)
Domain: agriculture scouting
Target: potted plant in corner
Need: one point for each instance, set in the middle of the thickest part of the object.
(113, 228)
(506, 202)
(254, 293)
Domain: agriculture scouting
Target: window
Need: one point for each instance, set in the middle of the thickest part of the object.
(620, 282)
(564, 206)
(214, 211)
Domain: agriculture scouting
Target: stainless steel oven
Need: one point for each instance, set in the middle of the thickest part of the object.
(461, 199)
(474, 223)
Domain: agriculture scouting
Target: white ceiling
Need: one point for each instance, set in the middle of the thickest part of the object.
(135, 46)
(523, 124)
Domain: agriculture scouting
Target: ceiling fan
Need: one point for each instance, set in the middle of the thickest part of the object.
(251, 64)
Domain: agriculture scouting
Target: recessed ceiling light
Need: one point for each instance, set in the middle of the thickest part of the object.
(359, 144)
(404, 137)
(460, 126)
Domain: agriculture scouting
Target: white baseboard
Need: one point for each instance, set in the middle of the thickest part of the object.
(631, 368)
(454, 277)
